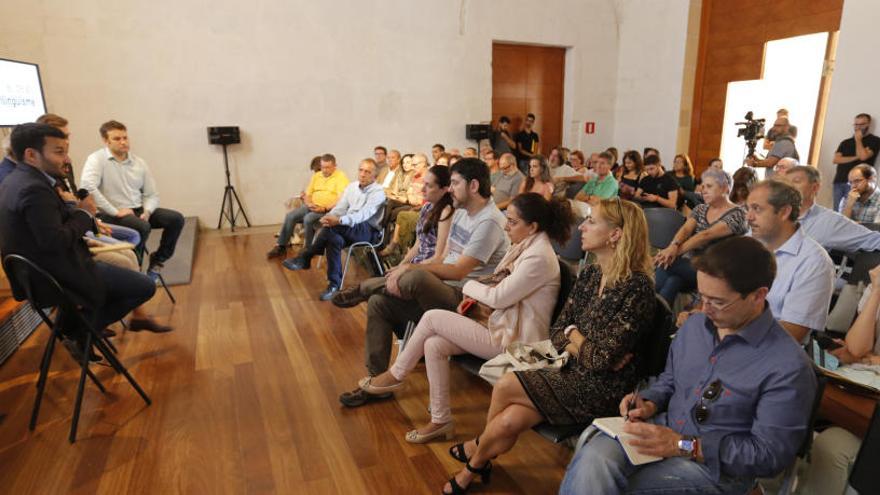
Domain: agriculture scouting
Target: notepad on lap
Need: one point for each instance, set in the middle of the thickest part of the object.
(613, 427)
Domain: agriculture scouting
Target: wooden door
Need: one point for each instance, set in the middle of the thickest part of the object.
(529, 79)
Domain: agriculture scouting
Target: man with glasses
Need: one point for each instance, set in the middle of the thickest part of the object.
(860, 148)
(733, 403)
(801, 292)
(863, 201)
(380, 155)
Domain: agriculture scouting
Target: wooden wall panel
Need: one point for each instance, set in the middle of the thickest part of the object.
(529, 79)
(732, 38)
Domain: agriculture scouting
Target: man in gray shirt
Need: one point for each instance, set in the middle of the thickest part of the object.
(505, 182)
(125, 192)
(477, 242)
(783, 147)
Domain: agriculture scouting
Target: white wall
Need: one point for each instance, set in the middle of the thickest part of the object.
(300, 78)
(652, 40)
(853, 84)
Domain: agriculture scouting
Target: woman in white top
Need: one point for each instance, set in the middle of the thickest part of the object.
(513, 304)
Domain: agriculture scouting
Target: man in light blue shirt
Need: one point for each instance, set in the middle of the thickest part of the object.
(829, 228)
(355, 218)
(801, 292)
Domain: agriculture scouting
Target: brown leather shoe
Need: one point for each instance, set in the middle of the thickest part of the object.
(148, 324)
(277, 252)
(348, 298)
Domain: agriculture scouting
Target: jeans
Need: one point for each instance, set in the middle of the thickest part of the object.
(601, 467)
(125, 234)
(331, 240)
(126, 290)
(170, 221)
(302, 215)
(679, 277)
(840, 190)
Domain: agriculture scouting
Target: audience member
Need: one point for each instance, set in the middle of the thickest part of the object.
(649, 152)
(476, 244)
(572, 184)
(503, 141)
(716, 163)
(862, 342)
(514, 304)
(603, 185)
(443, 159)
(469, 152)
(827, 227)
(631, 173)
(397, 192)
(683, 173)
(657, 188)
(732, 405)
(126, 194)
(415, 198)
(35, 224)
(324, 190)
(783, 146)
(490, 160)
(355, 218)
(8, 163)
(436, 151)
(392, 171)
(380, 154)
(611, 306)
(708, 223)
(801, 293)
(506, 181)
(527, 143)
(784, 165)
(862, 204)
(432, 232)
(743, 180)
(862, 147)
(614, 155)
(538, 180)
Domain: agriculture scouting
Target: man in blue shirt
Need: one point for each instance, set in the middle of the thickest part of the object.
(733, 403)
(829, 228)
(355, 218)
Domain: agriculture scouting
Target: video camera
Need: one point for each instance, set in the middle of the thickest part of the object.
(751, 131)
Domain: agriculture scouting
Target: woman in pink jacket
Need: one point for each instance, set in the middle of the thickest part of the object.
(513, 304)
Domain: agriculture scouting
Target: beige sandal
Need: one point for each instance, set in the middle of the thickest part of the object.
(447, 431)
(366, 385)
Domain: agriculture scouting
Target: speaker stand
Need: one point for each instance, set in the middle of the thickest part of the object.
(230, 200)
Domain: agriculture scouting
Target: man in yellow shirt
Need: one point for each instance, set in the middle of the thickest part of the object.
(324, 191)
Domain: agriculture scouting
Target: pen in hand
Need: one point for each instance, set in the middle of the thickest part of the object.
(634, 401)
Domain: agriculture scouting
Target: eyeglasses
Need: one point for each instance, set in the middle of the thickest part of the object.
(717, 306)
(711, 394)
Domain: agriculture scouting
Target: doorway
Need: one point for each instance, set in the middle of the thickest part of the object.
(529, 79)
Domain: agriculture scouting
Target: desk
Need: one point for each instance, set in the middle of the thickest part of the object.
(846, 409)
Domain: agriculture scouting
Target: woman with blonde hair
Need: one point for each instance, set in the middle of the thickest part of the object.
(610, 307)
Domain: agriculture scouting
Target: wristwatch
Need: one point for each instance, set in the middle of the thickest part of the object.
(688, 446)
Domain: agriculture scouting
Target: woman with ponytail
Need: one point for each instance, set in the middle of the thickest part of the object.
(513, 304)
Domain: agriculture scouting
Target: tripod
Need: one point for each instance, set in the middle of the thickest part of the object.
(227, 209)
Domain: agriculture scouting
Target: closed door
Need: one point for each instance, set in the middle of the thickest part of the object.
(529, 79)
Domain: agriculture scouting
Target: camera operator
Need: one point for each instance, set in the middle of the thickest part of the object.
(783, 147)
(860, 148)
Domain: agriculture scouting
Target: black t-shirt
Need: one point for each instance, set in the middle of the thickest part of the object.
(847, 147)
(661, 186)
(527, 141)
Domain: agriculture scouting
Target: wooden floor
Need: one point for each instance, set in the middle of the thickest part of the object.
(244, 401)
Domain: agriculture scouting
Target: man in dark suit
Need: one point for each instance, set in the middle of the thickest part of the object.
(37, 223)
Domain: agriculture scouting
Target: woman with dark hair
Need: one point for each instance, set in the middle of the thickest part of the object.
(683, 172)
(743, 180)
(632, 172)
(315, 166)
(539, 179)
(514, 304)
(610, 307)
(432, 231)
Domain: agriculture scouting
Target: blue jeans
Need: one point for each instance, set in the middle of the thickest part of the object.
(601, 467)
(840, 190)
(125, 234)
(331, 240)
(679, 277)
(302, 215)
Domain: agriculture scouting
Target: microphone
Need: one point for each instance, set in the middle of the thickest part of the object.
(82, 194)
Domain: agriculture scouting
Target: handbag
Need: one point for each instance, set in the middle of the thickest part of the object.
(518, 356)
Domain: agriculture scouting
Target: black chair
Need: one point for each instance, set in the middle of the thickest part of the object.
(653, 348)
(865, 477)
(789, 477)
(32, 283)
(571, 251)
(663, 223)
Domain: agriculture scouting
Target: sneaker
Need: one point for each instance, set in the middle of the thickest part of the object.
(276, 252)
(358, 397)
(329, 292)
(295, 264)
(155, 266)
(348, 298)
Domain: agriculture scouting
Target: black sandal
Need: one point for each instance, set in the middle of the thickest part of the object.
(457, 451)
(484, 472)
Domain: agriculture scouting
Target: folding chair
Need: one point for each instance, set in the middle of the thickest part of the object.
(663, 223)
(27, 279)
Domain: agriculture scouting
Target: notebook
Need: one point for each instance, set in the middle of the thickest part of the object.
(613, 427)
